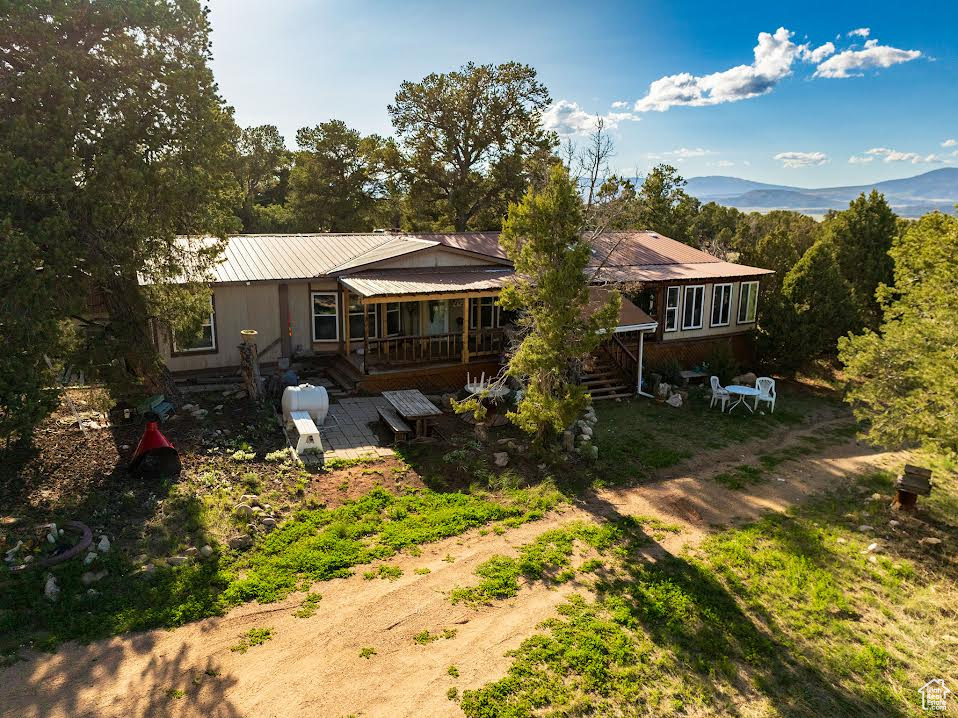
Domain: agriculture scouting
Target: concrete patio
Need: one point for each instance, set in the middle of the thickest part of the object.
(346, 433)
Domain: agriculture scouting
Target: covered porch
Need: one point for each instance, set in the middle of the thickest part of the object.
(399, 320)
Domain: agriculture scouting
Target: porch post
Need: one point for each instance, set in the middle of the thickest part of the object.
(345, 322)
(365, 337)
(659, 310)
(638, 383)
(465, 330)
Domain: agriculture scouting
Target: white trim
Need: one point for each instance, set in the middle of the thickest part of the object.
(728, 321)
(650, 327)
(678, 308)
(744, 305)
(685, 294)
(313, 315)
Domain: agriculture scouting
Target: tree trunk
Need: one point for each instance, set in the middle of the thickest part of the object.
(130, 327)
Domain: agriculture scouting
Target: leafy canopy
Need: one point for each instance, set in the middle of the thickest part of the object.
(904, 377)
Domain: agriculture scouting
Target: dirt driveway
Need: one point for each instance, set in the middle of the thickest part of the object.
(312, 666)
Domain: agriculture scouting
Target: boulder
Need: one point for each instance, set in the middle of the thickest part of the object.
(746, 379)
(178, 560)
(243, 511)
(568, 441)
(501, 458)
(268, 522)
(89, 558)
(191, 552)
(674, 400)
(240, 542)
(206, 551)
(865, 527)
(50, 589)
(104, 545)
(930, 541)
(586, 431)
(89, 578)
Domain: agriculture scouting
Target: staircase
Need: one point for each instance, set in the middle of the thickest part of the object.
(606, 380)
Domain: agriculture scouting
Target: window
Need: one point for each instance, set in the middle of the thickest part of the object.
(692, 306)
(357, 319)
(672, 309)
(325, 312)
(721, 304)
(747, 302)
(205, 341)
(393, 319)
(483, 313)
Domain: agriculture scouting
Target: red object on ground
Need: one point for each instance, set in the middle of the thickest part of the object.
(155, 453)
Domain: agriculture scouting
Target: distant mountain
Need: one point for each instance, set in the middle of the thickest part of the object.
(910, 197)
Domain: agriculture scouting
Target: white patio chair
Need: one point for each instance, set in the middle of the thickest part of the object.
(766, 388)
(718, 393)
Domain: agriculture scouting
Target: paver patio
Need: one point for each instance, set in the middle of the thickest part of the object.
(346, 433)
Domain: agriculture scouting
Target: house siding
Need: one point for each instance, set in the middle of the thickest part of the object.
(707, 330)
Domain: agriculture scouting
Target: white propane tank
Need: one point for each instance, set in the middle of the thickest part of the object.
(306, 397)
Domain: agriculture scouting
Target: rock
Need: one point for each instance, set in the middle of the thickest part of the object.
(199, 413)
(872, 559)
(189, 407)
(674, 400)
(92, 592)
(251, 499)
(930, 541)
(506, 440)
(7, 521)
(446, 401)
(89, 578)
(104, 545)
(50, 589)
(568, 441)
(89, 558)
(191, 552)
(51, 538)
(243, 511)
(257, 509)
(872, 547)
(541, 467)
(206, 551)
(218, 407)
(747, 379)
(501, 458)
(841, 540)
(865, 527)
(240, 542)
(178, 560)
(894, 523)
(268, 521)
(586, 431)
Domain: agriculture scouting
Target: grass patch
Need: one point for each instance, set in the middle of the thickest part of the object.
(549, 558)
(367, 652)
(638, 437)
(786, 616)
(425, 637)
(309, 605)
(453, 671)
(741, 476)
(422, 571)
(385, 571)
(253, 637)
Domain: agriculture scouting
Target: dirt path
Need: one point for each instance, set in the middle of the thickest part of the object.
(312, 666)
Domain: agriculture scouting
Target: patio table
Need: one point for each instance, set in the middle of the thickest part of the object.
(743, 392)
(411, 404)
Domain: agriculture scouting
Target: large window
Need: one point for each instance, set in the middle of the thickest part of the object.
(672, 309)
(483, 313)
(721, 304)
(325, 311)
(205, 341)
(692, 306)
(357, 319)
(393, 319)
(747, 302)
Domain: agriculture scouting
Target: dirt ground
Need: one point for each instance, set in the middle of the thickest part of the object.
(312, 666)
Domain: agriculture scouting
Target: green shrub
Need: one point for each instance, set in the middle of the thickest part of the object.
(722, 363)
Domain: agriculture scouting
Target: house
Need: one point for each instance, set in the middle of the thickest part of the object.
(396, 309)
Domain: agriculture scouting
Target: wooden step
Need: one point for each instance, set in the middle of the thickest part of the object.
(616, 389)
(627, 395)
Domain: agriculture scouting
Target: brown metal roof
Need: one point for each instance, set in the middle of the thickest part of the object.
(395, 247)
(629, 314)
(680, 272)
(398, 282)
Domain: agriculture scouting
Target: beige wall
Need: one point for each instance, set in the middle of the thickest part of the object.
(707, 330)
(431, 258)
(238, 307)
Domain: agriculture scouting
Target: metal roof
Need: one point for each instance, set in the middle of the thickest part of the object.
(399, 282)
(679, 272)
(630, 316)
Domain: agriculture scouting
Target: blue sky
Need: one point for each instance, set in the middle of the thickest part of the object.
(693, 83)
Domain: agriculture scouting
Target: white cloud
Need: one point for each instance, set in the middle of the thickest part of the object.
(819, 53)
(774, 55)
(723, 163)
(949, 143)
(801, 159)
(861, 32)
(889, 155)
(860, 159)
(568, 118)
(851, 63)
(682, 153)
(620, 104)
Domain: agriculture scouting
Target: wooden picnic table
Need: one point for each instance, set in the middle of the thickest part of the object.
(413, 406)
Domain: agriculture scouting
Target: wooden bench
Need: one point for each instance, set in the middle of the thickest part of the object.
(401, 430)
(305, 427)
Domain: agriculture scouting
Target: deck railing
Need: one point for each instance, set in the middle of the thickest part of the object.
(622, 357)
(391, 351)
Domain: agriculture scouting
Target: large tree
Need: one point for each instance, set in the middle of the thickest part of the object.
(338, 179)
(663, 205)
(544, 239)
(904, 377)
(262, 167)
(113, 140)
(468, 136)
(862, 236)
